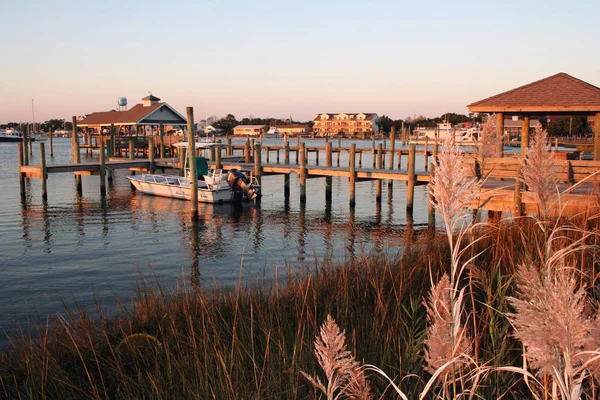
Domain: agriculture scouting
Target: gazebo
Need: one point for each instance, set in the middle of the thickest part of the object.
(150, 113)
(556, 95)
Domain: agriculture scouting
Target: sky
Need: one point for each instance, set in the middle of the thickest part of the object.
(281, 58)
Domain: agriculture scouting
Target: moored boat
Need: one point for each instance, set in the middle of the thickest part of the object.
(212, 188)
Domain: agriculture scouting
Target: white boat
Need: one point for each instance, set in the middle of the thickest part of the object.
(273, 132)
(212, 188)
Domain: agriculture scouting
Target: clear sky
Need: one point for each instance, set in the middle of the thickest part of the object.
(276, 58)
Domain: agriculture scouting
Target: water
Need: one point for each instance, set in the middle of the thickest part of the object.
(73, 251)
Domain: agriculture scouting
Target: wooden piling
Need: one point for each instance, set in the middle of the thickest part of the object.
(151, 154)
(192, 159)
(524, 136)
(430, 207)
(76, 156)
(597, 137)
(500, 128)
(30, 132)
(298, 149)
(21, 163)
(43, 176)
(373, 150)
(218, 162)
(50, 134)
(257, 162)
(112, 150)
(161, 133)
(352, 167)
(247, 151)
(410, 194)
(426, 153)
(302, 159)
(339, 148)
(328, 179)
(286, 152)
(228, 149)
(25, 145)
(392, 152)
(378, 165)
(131, 148)
(102, 155)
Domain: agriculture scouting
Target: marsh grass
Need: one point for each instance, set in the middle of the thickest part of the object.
(252, 342)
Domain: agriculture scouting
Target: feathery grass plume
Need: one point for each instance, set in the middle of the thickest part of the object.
(343, 372)
(441, 350)
(539, 170)
(453, 188)
(550, 322)
(489, 138)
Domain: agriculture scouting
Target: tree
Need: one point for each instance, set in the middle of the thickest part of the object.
(577, 125)
(55, 124)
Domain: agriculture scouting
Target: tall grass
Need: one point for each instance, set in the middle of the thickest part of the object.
(253, 342)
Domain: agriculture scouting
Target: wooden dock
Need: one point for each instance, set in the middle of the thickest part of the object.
(501, 192)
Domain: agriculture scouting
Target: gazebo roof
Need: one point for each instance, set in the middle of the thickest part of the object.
(556, 93)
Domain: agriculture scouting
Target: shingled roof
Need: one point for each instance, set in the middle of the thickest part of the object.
(556, 93)
(136, 115)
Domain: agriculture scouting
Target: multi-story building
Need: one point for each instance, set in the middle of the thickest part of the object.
(351, 124)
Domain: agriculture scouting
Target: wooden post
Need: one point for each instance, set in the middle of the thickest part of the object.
(391, 159)
(286, 152)
(339, 148)
(328, 179)
(192, 158)
(500, 128)
(21, 175)
(302, 159)
(430, 207)
(218, 163)
(102, 166)
(352, 180)
(555, 144)
(597, 137)
(132, 147)
(228, 149)
(51, 143)
(25, 146)
(298, 149)
(161, 132)
(151, 153)
(426, 153)
(113, 144)
(257, 162)
(524, 136)
(317, 155)
(43, 171)
(410, 194)
(378, 165)
(267, 152)
(29, 133)
(76, 156)
(373, 151)
(247, 151)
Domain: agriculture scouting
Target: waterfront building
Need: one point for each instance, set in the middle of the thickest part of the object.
(249, 130)
(293, 130)
(141, 118)
(351, 124)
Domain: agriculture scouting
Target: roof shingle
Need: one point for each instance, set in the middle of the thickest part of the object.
(560, 92)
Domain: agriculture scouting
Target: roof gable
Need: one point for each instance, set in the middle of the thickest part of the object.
(560, 92)
(138, 114)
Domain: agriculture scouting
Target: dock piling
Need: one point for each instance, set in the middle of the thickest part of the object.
(378, 165)
(102, 155)
(430, 207)
(352, 163)
(51, 142)
(150, 154)
(410, 194)
(192, 159)
(43, 174)
(21, 175)
(328, 179)
(257, 162)
(301, 150)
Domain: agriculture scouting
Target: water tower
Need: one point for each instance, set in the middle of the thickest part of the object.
(122, 104)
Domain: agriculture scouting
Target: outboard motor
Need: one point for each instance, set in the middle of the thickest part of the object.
(241, 185)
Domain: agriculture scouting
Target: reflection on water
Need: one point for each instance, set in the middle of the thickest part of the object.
(75, 249)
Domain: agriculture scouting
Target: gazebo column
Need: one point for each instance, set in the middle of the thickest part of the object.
(500, 127)
(597, 137)
(524, 135)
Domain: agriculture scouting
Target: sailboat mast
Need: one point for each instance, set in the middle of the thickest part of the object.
(32, 116)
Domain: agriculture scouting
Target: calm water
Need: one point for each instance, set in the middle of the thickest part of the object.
(73, 251)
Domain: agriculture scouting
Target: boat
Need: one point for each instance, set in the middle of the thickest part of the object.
(212, 188)
(273, 132)
(11, 136)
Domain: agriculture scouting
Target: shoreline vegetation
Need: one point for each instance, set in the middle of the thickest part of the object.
(502, 309)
